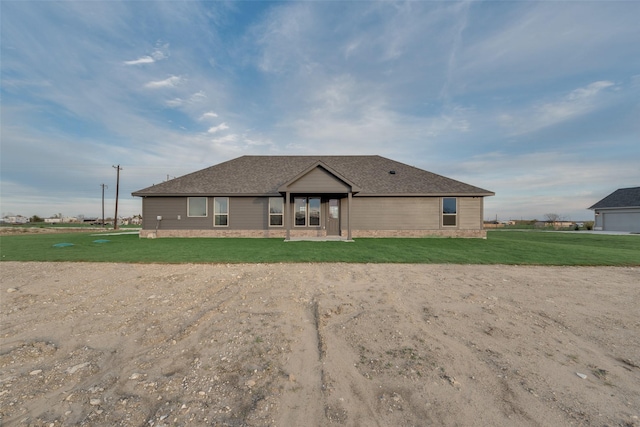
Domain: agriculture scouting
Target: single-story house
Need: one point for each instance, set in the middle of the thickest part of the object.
(312, 196)
(619, 211)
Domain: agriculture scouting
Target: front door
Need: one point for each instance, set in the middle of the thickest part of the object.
(333, 218)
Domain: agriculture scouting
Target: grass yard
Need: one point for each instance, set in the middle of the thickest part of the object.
(500, 247)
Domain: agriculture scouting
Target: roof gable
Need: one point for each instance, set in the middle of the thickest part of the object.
(321, 178)
(267, 175)
(621, 198)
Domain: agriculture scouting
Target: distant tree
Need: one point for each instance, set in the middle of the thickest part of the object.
(552, 217)
(36, 218)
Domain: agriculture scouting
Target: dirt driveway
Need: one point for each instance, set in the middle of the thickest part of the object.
(318, 344)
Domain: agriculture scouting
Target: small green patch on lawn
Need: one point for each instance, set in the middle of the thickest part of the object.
(500, 247)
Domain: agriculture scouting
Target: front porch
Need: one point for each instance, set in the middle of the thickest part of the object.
(318, 204)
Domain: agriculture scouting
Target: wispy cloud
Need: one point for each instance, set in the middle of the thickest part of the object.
(156, 55)
(208, 115)
(174, 103)
(220, 127)
(533, 184)
(142, 60)
(576, 103)
(169, 82)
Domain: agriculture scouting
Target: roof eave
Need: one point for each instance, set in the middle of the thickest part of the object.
(139, 194)
(280, 191)
(613, 207)
(439, 194)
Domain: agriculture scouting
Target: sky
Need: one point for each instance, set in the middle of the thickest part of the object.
(538, 102)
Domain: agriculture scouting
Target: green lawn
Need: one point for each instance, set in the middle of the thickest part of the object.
(500, 247)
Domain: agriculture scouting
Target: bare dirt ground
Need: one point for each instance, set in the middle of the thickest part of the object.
(318, 344)
(13, 230)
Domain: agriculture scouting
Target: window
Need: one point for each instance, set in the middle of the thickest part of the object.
(276, 211)
(314, 212)
(307, 211)
(220, 211)
(449, 211)
(197, 206)
(300, 206)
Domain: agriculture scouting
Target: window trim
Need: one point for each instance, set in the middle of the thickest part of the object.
(450, 215)
(281, 199)
(206, 207)
(295, 212)
(309, 211)
(217, 214)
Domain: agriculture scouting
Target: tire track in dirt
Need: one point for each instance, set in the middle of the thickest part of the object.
(302, 398)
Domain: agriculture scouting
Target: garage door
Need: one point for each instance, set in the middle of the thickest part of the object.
(621, 221)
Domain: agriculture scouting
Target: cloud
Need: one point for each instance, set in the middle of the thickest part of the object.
(216, 129)
(174, 103)
(576, 103)
(532, 184)
(156, 55)
(169, 82)
(198, 96)
(208, 115)
(226, 139)
(142, 60)
(257, 142)
(159, 55)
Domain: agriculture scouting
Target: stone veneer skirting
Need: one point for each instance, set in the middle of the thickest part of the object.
(481, 234)
(280, 233)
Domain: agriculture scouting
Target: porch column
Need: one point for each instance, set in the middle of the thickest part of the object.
(287, 215)
(349, 217)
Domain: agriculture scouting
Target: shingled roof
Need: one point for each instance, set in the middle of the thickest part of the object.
(621, 198)
(263, 175)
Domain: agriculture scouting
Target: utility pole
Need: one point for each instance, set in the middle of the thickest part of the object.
(103, 187)
(115, 219)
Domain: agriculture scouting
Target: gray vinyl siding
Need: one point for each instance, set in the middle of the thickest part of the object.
(367, 213)
(169, 208)
(245, 213)
(395, 213)
(248, 213)
(412, 213)
(470, 213)
(318, 181)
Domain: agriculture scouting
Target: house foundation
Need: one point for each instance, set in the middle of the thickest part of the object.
(152, 234)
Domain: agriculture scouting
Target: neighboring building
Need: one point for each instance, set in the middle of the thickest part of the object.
(17, 219)
(619, 211)
(60, 220)
(312, 196)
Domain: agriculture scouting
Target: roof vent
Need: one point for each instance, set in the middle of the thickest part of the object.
(392, 172)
